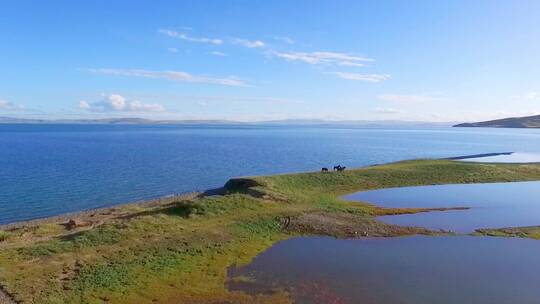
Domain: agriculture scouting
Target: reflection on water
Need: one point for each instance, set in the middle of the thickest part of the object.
(492, 205)
(407, 270)
(517, 157)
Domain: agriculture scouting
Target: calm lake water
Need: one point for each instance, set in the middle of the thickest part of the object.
(492, 205)
(52, 169)
(410, 270)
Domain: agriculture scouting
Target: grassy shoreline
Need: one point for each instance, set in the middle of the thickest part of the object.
(179, 251)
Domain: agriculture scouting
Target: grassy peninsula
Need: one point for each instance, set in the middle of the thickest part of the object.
(178, 251)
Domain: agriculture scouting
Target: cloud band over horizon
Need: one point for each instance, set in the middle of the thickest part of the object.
(170, 75)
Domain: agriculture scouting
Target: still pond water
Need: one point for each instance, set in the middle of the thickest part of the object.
(407, 270)
(494, 205)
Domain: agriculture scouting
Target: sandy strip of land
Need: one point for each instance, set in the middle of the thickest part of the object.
(98, 215)
(479, 155)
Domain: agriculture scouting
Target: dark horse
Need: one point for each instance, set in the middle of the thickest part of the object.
(339, 168)
(324, 170)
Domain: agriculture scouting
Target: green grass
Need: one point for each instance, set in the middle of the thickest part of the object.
(105, 235)
(520, 232)
(180, 252)
(4, 235)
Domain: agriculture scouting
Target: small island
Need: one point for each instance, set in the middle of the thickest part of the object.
(513, 122)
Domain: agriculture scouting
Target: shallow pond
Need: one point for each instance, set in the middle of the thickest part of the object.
(417, 269)
(404, 270)
(492, 205)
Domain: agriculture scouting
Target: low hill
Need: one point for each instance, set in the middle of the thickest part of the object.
(513, 122)
(284, 122)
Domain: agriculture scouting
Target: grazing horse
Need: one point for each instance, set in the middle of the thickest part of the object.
(324, 170)
(337, 168)
(340, 169)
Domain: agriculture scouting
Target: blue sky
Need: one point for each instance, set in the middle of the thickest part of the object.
(259, 60)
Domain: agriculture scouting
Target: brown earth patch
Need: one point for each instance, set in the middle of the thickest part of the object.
(345, 225)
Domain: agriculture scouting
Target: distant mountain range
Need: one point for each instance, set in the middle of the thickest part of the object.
(108, 121)
(513, 122)
(285, 122)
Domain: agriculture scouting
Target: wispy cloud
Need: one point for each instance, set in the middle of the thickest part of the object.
(216, 53)
(216, 99)
(171, 75)
(527, 96)
(331, 58)
(118, 103)
(386, 110)
(183, 36)
(267, 100)
(489, 115)
(351, 63)
(398, 98)
(249, 43)
(362, 77)
(172, 50)
(9, 106)
(284, 39)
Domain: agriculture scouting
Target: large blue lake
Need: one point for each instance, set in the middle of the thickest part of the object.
(52, 169)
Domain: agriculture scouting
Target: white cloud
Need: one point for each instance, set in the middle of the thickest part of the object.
(362, 77)
(532, 96)
(268, 100)
(216, 53)
(249, 44)
(170, 75)
(84, 105)
(9, 106)
(323, 58)
(386, 111)
(118, 103)
(284, 39)
(527, 96)
(172, 50)
(183, 36)
(397, 98)
(351, 63)
(138, 106)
